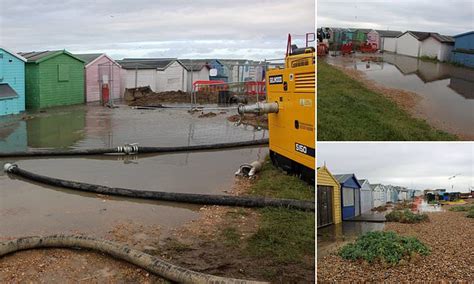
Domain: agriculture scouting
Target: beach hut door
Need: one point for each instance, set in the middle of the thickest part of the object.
(324, 205)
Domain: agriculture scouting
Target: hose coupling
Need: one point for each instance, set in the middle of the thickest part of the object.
(128, 149)
(8, 167)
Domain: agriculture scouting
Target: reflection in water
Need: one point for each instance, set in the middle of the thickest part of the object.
(13, 136)
(92, 126)
(447, 91)
(332, 237)
(58, 130)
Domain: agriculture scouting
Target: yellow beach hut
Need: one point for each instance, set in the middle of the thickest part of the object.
(328, 198)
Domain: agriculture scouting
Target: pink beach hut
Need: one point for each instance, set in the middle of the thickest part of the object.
(373, 37)
(102, 77)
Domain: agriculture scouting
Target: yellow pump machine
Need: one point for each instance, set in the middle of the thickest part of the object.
(291, 107)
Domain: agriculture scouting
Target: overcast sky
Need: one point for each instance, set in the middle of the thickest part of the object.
(414, 165)
(156, 28)
(448, 17)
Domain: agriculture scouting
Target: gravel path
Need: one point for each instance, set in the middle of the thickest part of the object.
(448, 234)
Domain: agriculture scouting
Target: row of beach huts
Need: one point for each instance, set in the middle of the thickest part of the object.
(344, 196)
(458, 48)
(38, 80)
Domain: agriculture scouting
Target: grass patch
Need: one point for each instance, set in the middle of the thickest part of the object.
(284, 235)
(387, 247)
(272, 182)
(470, 214)
(231, 236)
(405, 216)
(467, 208)
(349, 111)
(462, 208)
(178, 246)
(433, 59)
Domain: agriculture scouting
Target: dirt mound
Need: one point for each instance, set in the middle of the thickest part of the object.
(145, 96)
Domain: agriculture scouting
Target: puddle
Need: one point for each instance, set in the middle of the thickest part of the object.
(447, 90)
(423, 207)
(93, 126)
(333, 237)
(32, 209)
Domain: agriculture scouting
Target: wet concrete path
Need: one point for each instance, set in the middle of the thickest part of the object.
(447, 91)
(27, 208)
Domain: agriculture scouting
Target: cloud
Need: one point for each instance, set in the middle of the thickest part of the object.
(232, 28)
(446, 17)
(417, 165)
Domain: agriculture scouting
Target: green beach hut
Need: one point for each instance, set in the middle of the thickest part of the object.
(53, 78)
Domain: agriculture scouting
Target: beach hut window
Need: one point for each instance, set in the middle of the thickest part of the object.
(347, 196)
(63, 72)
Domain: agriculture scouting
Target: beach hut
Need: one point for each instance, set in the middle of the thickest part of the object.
(366, 196)
(328, 198)
(437, 46)
(409, 43)
(463, 52)
(53, 78)
(377, 194)
(388, 40)
(350, 195)
(196, 70)
(347, 35)
(360, 36)
(160, 74)
(373, 37)
(101, 72)
(12, 82)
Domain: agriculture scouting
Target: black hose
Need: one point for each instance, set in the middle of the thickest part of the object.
(133, 149)
(148, 262)
(205, 199)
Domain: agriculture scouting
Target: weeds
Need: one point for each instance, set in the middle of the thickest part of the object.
(284, 235)
(387, 247)
(405, 216)
(468, 208)
(461, 208)
(272, 182)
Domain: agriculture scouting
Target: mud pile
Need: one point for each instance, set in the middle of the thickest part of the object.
(145, 96)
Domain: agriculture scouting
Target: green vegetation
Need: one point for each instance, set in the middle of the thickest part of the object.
(430, 59)
(405, 216)
(284, 235)
(470, 214)
(274, 183)
(387, 247)
(467, 208)
(461, 208)
(231, 236)
(349, 111)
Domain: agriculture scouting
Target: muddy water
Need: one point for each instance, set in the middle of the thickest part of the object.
(447, 91)
(333, 237)
(94, 126)
(27, 208)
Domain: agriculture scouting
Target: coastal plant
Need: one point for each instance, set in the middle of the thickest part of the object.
(406, 216)
(387, 247)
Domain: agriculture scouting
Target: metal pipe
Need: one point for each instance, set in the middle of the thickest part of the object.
(258, 108)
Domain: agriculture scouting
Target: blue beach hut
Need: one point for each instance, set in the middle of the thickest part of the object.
(12, 82)
(350, 195)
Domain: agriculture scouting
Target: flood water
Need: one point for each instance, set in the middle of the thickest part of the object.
(28, 208)
(447, 91)
(333, 237)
